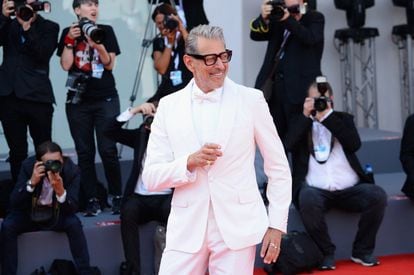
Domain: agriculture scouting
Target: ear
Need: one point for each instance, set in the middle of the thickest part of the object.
(77, 11)
(189, 63)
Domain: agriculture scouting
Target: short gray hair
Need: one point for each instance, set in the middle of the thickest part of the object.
(205, 31)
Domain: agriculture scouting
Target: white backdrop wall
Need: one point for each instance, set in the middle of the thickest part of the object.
(129, 18)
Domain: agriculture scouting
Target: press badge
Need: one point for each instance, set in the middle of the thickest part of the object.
(176, 77)
(97, 70)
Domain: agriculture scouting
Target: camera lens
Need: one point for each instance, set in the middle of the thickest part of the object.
(320, 104)
(24, 13)
(171, 24)
(54, 166)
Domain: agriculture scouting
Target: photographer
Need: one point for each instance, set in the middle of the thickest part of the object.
(88, 52)
(327, 174)
(168, 52)
(45, 198)
(26, 94)
(295, 38)
(139, 206)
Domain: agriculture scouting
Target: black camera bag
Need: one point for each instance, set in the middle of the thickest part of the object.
(44, 215)
(298, 253)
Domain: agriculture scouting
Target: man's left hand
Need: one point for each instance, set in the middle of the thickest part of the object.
(271, 245)
(56, 182)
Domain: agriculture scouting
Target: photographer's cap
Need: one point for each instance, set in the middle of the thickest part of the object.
(77, 3)
(321, 79)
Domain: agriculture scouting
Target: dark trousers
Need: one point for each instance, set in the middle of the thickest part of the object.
(19, 115)
(368, 199)
(85, 120)
(282, 109)
(17, 223)
(137, 210)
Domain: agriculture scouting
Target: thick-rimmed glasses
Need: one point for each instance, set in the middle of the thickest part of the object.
(211, 59)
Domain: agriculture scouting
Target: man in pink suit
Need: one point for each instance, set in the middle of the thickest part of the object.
(202, 144)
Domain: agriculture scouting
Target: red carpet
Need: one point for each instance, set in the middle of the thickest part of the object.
(390, 265)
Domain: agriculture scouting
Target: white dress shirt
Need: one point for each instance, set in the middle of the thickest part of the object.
(206, 111)
(139, 187)
(334, 174)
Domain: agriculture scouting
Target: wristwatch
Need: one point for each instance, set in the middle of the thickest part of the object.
(169, 45)
(29, 184)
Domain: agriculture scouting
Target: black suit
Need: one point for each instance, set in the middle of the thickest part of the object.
(300, 65)
(407, 156)
(26, 93)
(312, 203)
(18, 219)
(136, 209)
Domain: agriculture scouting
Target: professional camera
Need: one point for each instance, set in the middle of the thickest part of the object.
(89, 28)
(170, 23)
(54, 166)
(76, 84)
(25, 12)
(278, 9)
(321, 103)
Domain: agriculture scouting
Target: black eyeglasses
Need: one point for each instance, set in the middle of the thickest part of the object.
(211, 59)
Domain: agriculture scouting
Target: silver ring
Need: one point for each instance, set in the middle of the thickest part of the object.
(272, 245)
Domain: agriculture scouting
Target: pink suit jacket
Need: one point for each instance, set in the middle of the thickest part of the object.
(229, 185)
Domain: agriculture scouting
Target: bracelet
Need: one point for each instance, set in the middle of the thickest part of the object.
(69, 41)
(168, 45)
(69, 46)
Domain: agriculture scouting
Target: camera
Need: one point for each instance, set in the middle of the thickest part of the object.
(148, 121)
(170, 23)
(89, 28)
(54, 166)
(278, 9)
(321, 103)
(76, 84)
(25, 13)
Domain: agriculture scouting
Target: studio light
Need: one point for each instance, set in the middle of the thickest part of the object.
(355, 11)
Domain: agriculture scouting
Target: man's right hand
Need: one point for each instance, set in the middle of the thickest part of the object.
(7, 8)
(74, 31)
(146, 108)
(206, 156)
(266, 10)
(38, 173)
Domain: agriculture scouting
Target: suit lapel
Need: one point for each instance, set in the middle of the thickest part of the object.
(227, 113)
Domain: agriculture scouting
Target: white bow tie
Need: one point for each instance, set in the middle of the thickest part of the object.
(200, 97)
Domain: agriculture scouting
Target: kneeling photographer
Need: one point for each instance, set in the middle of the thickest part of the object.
(45, 198)
(327, 174)
(88, 51)
(28, 41)
(168, 51)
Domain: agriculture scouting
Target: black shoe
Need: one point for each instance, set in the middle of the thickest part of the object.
(93, 208)
(328, 263)
(116, 205)
(365, 260)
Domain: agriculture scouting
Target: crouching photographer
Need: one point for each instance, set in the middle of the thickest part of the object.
(28, 41)
(88, 51)
(45, 198)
